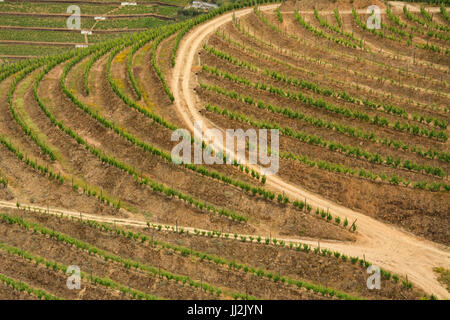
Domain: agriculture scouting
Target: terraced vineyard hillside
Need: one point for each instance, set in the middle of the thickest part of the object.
(40, 27)
(87, 176)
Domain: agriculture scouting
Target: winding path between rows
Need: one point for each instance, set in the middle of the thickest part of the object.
(382, 244)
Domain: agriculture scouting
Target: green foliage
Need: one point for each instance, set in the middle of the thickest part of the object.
(44, 170)
(158, 71)
(279, 15)
(27, 130)
(335, 29)
(106, 282)
(89, 65)
(229, 58)
(425, 13)
(39, 229)
(321, 104)
(426, 23)
(320, 33)
(338, 17)
(22, 286)
(395, 18)
(374, 31)
(3, 182)
(279, 198)
(322, 123)
(263, 179)
(155, 186)
(193, 22)
(315, 140)
(406, 284)
(444, 12)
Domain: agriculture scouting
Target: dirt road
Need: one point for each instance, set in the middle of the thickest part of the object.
(382, 244)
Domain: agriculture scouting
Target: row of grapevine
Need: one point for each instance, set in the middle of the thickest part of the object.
(231, 59)
(178, 38)
(363, 174)
(3, 181)
(432, 47)
(430, 34)
(374, 31)
(133, 50)
(411, 128)
(443, 2)
(266, 21)
(320, 104)
(324, 23)
(279, 15)
(398, 31)
(338, 18)
(55, 266)
(158, 71)
(264, 56)
(60, 125)
(98, 54)
(11, 69)
(322, 34)
(222, 9)
(425, 23)
(241, 29)
(57, 177)
(321, 123)
(128, 101)
(252, 239)
(306, 25)
(285, 111)
(24, 287)
(425, 13)
(444, 12)
(153, 149)
(27, 130)
(184, 251)
(246, 187)
(347, 150)
(395, 19)
(387, 108)
(421, 118)
(31, 163)
(167, 157)
(107, 256)
(403, 33)
(156, 187)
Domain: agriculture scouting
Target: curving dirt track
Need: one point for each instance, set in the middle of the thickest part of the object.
(382, 244)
